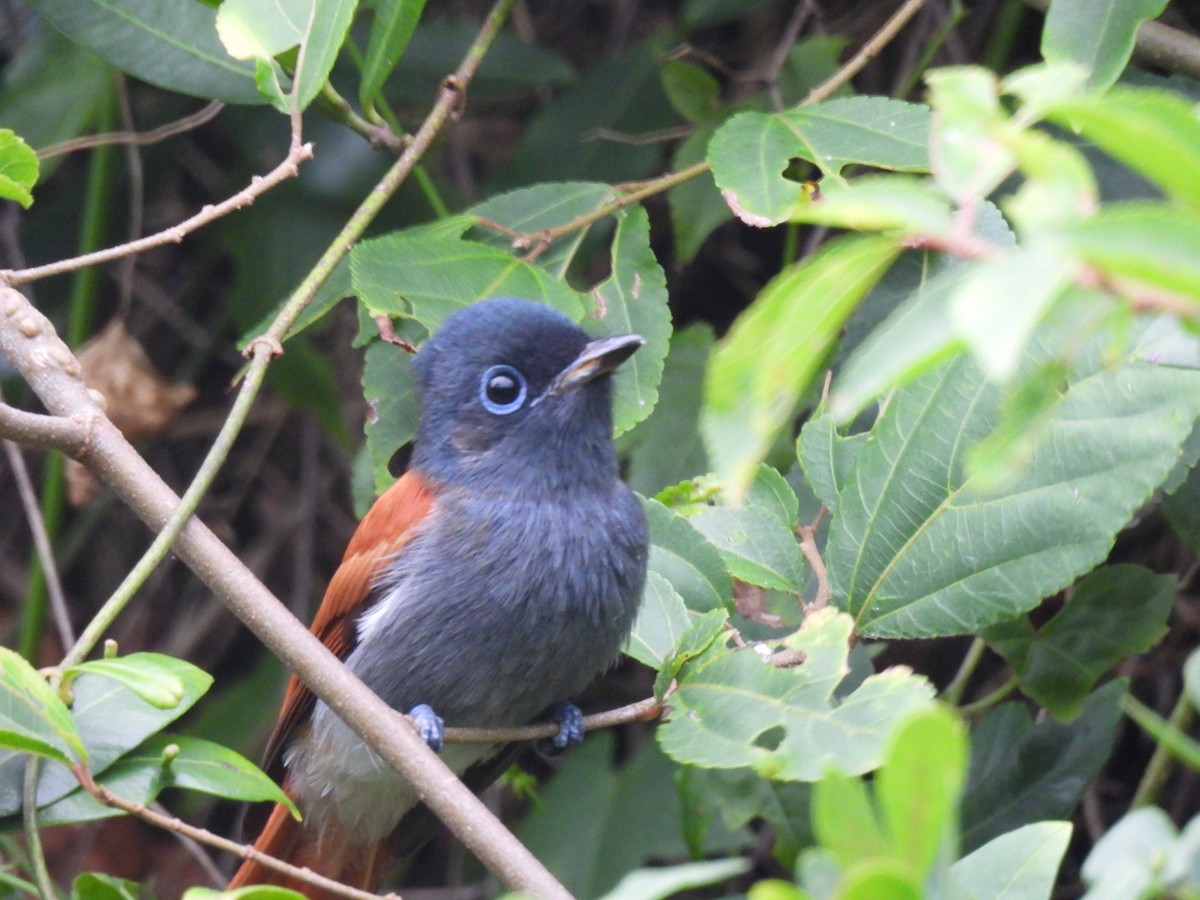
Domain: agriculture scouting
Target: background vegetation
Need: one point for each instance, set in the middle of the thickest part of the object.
(915, 422)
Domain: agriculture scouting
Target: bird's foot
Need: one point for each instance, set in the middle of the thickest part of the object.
(570, 726)
(430, 726)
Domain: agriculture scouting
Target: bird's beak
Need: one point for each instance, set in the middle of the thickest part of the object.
(597, 358)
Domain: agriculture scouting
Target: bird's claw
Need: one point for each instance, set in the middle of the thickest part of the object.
(430, 726)
(570, 726)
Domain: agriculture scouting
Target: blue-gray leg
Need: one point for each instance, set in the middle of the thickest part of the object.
(430, 726)
(570, 725)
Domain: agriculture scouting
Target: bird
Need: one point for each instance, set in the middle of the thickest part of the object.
(496, 578)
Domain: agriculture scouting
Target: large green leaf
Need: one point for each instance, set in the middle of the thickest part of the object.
(1096, 34)
(1111, 441)
(33, 719)
(169, 761)
(734, 709)
(633, 300)
(661, 620)
(170, 43)
(751, 151)
(393, 27)
(263, 29)
(1114, 611)
(685, 558)
(1023, 773)
(112, 719)
(761, 367)
(1020, 865)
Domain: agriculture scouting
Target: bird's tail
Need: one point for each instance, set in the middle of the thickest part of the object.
(328, 851)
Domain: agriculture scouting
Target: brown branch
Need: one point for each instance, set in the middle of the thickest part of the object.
(137, 138)
(246, 851)
(67, 434)
(259, 185)
(642, 711)
(808, 546)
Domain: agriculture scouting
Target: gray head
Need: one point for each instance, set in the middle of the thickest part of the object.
(516, 398)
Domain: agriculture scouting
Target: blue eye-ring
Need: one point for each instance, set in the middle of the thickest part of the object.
(503, 390)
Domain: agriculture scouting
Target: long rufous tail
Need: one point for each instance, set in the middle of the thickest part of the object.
(327, 852)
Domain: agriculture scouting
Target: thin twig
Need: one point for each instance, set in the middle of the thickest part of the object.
(203, 836)
(133, 163)
(41, 543)
(641, 711)
(33, 835)
(808, 546)
(866, 52)
(259, 185)
(1160, 762)
(954, 691)
(68, 435)
(141, 139)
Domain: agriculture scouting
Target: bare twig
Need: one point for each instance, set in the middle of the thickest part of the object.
(41, 543)
(808, 546)
(70, 435)
(259, 185)
(137, 138)
(641, 711)
(203, 836)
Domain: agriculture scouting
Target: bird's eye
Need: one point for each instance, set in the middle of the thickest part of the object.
(502, 390)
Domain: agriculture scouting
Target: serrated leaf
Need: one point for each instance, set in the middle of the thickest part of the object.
(757, 540)
(1154, 132)
(827, 457)
(685, 558)
(759, 370)
(1020, 865)
(661, 620)
(169, 43)
(1097, 34)
(736, 709)
(1023, 773)
(152, 676)
(391, 392)
(696, 639)
(392, 28)
(170, 761)
(427, 277)
(263, 29)
(751, 151)
(33, 719)
(18, 168)
(633, 300)
(1114, 611)
(1112, 440)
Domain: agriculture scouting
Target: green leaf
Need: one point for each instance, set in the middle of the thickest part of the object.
(391, 392)
(751, 151)
(1114, 611)
(735, 709)
(112, 719)
(880, 203)
(762, 366)
(667, 881)
(633, 300)
(878, 878)
(169, 43)
(660, 622)
(757, 540)
(250, 892)
(97, 886)
(697, 207)
(1112, 440)
(1020, 865)
(969, 157)
(827, 457)
(741, 796)
(845, 820)
(32, 717)
(1154, 132)
(1125, 861)
(1142, 244)
(18, 168)
(1023, 773)
(263, 29)
(919, 785)
(427, 277)
(666, 447)
(393, 27)
(697, 638)
(170, 761)
(685, 558)
(1096, 34)
(693, 90)
(152, 676)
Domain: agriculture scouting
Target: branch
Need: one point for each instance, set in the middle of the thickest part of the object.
(66, 434)
(246, 851)
(139, 138)
(259, 185)
(641, 711)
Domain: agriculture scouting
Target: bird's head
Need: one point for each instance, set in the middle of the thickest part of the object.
(514, 395)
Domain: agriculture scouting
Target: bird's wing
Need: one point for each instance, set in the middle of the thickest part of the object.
(384, 530)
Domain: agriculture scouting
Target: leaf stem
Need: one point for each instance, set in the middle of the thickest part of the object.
(983, 704)
(33, 837)
(1171, 740)
(958, 684)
